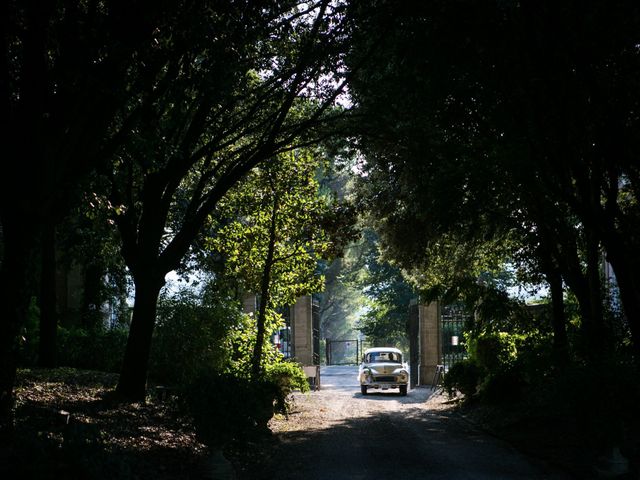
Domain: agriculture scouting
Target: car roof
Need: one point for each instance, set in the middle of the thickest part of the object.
(382, 349)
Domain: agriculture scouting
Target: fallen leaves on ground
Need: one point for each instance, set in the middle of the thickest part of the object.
(68, 426)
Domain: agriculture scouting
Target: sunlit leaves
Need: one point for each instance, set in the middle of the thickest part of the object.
(283, 189)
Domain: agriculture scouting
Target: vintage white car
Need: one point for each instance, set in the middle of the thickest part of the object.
(383, 368)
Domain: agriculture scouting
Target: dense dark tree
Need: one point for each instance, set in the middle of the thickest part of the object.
(481, 120)
(241, 84)
(63, 77)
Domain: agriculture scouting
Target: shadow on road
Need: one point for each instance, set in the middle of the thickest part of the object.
(339, 434)
(413, 443)
(414, 396)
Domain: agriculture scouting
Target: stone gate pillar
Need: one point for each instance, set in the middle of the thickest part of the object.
(302, 330)
(430, 341)
(414, 343)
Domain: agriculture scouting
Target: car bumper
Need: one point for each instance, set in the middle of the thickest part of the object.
(383, 381)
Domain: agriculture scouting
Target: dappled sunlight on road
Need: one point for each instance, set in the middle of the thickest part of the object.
(339, 433)
(339, 401)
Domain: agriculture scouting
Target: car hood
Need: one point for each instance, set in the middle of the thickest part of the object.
(384, 367)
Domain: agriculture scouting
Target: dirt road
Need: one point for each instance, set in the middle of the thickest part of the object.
(339, 434)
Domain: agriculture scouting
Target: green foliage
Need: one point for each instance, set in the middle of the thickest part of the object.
(287, 376)
(341, 301)
(227, 403)
(227, 88)
(240, 342)
(30, 335)
(96, 349)
(507, 363)
(463, 377)
(279, 201)
(493, 352)
(504, 386)
(270, 233)
(385, 319)
(191, 336)
(225, 407)
(228, 407)
(460, 174)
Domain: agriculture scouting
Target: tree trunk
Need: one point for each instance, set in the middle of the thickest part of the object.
(598, 338)
(48, 305)
(264, 294)
(578, 284)
(622, 255)
(133, 377)
(15, 293)
(558, 319)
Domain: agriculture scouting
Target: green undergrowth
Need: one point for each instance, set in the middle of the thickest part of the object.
(69, 425)
(576, 419)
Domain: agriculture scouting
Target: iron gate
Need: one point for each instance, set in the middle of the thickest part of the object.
(315, 325)
(342, 352)
(454, 323)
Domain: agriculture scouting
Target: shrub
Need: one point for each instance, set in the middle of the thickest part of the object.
(502, 387)
(226, 408)
(92, 349)
(494, 351)
(189, 338)
(462, 377)
(30, 336)
(287, 377)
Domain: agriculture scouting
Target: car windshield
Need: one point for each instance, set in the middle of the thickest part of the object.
(377, 357)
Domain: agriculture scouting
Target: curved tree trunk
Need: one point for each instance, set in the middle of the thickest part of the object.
(578, 284)
(132, 383)
(558, 319)
(15, 293)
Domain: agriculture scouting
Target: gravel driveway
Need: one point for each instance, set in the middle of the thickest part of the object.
(337, 433)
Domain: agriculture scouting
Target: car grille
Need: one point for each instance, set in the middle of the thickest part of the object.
(388, 378)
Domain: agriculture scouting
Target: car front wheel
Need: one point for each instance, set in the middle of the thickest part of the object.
(363, 389)
(403, 390)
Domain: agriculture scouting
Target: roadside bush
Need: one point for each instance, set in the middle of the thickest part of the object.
(190, 338)
(494, 351)
(504, 386)
(226, 408)
(241, 342)
(462, 377)
(602, 399)
(287, 377)
(30, 336)
(95, 349)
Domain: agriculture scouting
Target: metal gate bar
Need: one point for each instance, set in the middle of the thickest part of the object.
(342, 352)
(454, 323)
